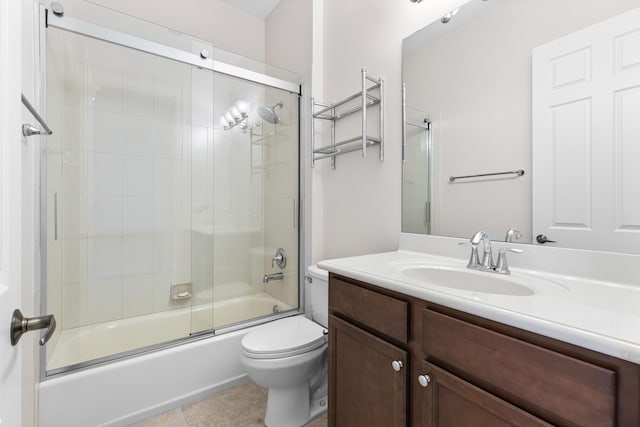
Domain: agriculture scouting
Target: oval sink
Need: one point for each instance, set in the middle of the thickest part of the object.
(467, 280)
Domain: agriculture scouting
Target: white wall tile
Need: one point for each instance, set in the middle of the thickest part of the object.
(137, 176)
(105, 216)
(137, 136)
(105, 174)
(138, 255)
(74, 216)
(104, 258)
(168, 174)
(137, 93)
(167, 214)
(75, 84)
(74, 127)
(74, 260)
(105, 132)
(104, 300)
(168, 140)
(168, 101)
(137, 215)
(105, 89)
(74, 172)
(74, 305)
(137, 295)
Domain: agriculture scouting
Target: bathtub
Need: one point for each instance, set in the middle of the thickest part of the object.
(132, 389)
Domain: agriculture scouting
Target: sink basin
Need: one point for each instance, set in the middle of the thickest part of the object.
(467, 280)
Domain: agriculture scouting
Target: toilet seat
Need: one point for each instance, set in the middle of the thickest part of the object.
(286, 337)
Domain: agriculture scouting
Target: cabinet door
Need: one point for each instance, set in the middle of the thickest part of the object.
(448, 401)
(365, 389)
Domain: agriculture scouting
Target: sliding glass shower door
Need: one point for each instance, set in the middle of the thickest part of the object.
(167, 196)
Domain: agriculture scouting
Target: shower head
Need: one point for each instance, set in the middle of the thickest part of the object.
(269, 114)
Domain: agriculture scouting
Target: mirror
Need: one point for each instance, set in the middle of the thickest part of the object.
(500, 109)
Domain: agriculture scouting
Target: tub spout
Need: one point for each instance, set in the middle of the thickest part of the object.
(269, 277)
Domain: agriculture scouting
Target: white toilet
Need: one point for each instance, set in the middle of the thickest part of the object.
(289, 357)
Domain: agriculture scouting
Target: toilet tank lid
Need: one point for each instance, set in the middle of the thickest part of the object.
(318, 273)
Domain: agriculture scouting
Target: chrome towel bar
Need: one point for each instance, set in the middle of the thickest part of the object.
(27, 129)
(519, 172)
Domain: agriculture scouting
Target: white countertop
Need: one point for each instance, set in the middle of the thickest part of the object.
(590, 313)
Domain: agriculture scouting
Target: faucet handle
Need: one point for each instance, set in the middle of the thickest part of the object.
(502, 267)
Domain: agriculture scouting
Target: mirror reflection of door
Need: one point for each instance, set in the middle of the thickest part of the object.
(586, 136)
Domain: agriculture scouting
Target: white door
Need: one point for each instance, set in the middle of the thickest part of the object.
(10, 202)
(586, 137)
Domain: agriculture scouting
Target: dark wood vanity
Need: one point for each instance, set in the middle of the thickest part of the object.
(395, 360)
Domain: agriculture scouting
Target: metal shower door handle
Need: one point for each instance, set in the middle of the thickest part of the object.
(21, 324)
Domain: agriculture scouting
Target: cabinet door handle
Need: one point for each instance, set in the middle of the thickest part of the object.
(424, 380)
(397, 365)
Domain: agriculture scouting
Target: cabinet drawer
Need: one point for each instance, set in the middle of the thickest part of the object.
(385, 314)
(558, 388)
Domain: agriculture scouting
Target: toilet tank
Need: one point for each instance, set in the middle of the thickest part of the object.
(319, 290)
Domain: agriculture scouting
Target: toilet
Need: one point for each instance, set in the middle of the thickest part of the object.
(289, 357)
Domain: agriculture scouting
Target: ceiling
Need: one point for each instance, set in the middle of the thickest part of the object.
(259, 8)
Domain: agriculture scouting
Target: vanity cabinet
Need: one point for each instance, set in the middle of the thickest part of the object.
(368, 357)
(456, 369)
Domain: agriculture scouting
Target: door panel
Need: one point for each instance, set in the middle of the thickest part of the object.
(585, 130)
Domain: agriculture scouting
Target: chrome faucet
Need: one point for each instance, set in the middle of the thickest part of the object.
(487, 264)
(512, 233)
(275, 276)
(476, 239)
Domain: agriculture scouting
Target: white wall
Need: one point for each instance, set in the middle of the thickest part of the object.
(361, 199)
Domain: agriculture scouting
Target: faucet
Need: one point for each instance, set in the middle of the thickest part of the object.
(501, 266)
(476, 239)
(275, 276)
(512, 233)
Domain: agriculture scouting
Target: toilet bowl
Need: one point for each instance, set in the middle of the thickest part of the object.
(289, 357)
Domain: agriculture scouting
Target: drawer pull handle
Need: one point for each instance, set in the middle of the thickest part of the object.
(397, 365)
(424, 380)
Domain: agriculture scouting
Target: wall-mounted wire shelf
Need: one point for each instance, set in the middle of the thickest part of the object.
(369, 96)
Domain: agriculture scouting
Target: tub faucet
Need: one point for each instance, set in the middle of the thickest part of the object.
(275, 276)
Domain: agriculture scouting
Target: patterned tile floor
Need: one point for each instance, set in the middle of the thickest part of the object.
(241, 406)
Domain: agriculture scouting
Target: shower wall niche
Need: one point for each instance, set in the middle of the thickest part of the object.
(147, 189)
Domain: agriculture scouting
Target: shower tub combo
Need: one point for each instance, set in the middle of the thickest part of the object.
(167, 183)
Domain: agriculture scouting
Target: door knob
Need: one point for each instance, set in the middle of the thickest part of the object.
(424, 380)
(542, 239)
(397, 365)
(21, 324)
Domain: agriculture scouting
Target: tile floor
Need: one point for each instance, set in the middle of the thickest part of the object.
(241, 406)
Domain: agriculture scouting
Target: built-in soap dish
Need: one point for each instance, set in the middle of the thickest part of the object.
(181, 291)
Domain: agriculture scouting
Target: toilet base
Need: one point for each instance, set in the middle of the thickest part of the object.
(292, 407)
(288, 407)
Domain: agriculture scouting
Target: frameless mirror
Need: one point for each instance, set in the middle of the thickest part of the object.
(524, 113)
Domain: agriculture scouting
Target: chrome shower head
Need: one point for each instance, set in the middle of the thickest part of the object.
(269, 114)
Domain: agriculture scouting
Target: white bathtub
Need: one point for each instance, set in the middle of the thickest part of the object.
(130, 390)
